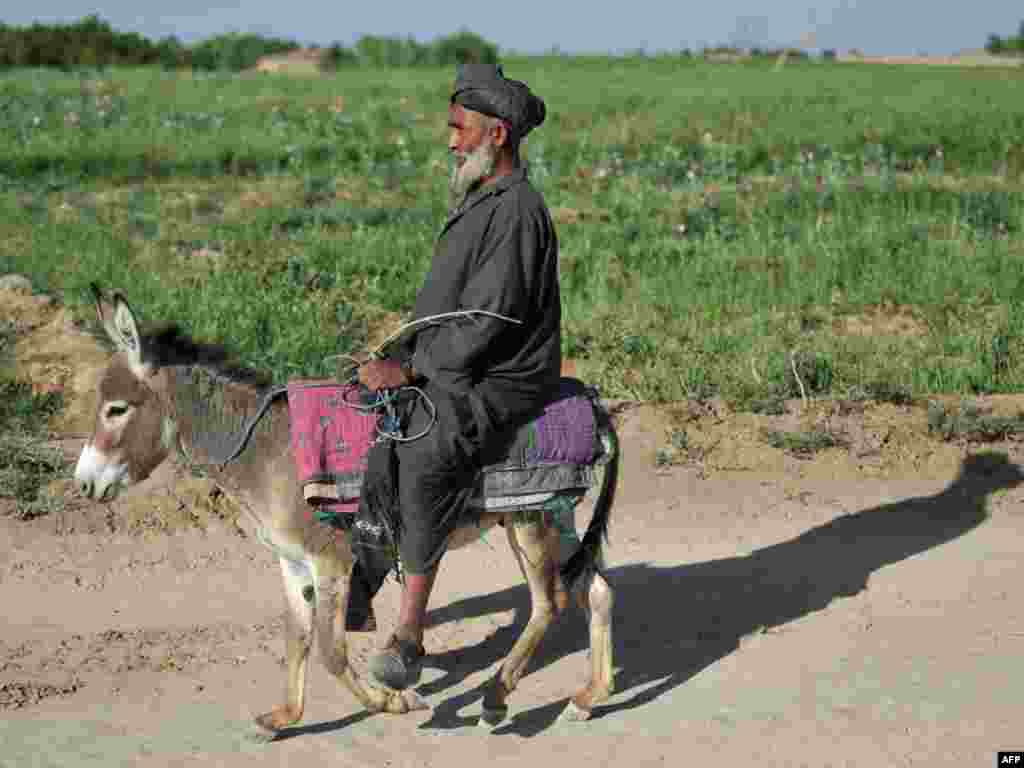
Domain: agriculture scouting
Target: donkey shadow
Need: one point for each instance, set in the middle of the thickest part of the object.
(768, 588)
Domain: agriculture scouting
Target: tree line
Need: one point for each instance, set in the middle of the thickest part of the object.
(1013, 44)
(92, 42)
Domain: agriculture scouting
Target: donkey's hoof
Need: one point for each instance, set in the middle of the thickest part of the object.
(492, 717)
(412, 700)
(574, 713)
(259, 732)
(268, 727)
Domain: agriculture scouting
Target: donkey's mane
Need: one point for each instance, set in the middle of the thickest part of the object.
(169, 346)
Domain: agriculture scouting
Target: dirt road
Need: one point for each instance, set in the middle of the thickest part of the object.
(789, 616)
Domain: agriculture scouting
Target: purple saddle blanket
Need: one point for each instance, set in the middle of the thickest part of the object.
(330, 441)
(565, 433)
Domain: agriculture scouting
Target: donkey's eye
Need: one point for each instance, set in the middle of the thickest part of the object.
(113, 411)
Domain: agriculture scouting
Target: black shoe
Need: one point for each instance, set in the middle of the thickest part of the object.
(399, 665)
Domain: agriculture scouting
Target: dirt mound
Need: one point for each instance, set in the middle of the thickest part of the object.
(818, 441)
(55, 355)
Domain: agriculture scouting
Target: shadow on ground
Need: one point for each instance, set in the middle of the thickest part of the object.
(329, 726)
(716, 603)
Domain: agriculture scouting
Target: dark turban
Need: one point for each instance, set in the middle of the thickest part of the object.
(484, 88)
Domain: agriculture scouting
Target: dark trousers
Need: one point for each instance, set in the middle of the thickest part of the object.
(435, 476)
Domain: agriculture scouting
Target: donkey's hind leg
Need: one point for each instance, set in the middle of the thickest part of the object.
(535, 548)
(596, 599)
(600, 601)
(298, 586)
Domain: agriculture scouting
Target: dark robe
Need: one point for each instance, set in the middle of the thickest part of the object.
(486, 376)
(498, 252)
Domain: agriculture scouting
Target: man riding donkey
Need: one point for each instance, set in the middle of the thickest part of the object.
(487, 375)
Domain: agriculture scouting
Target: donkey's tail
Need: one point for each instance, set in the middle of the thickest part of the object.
(587, 556)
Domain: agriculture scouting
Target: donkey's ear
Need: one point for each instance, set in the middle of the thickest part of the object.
(98, 303)
(105, 314)
(126, 329)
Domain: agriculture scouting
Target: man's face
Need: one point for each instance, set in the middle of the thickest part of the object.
(473, 152)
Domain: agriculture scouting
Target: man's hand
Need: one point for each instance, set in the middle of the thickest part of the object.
(383, 374)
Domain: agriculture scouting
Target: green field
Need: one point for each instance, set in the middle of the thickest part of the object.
(718, 222)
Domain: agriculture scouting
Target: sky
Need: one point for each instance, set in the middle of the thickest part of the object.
(876, 27)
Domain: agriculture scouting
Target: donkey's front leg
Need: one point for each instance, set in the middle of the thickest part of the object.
(332, 602)
(298, 587)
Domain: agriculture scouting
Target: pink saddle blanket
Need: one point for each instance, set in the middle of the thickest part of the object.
(330, 440)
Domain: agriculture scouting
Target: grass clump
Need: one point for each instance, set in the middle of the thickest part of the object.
(802, 444)
(677, 450)
(774, 405)
(27, 464)
(881, 392)
(798, 374)
(970, 423)
(26, 467)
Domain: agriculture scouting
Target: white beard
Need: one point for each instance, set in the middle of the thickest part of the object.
(478, 165)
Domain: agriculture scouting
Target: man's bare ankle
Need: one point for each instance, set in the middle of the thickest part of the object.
(409, 634)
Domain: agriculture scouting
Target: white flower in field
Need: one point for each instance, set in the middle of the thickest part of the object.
(36, 120)
(708, 138)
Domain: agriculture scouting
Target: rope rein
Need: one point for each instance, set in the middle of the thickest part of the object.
(386, 399)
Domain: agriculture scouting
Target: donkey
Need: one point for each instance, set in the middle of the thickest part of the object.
(154, 400)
